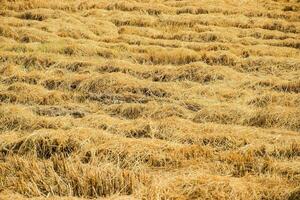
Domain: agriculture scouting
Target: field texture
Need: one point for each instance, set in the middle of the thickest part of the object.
(150, 99)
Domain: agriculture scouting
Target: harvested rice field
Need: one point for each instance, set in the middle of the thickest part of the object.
(150, 99)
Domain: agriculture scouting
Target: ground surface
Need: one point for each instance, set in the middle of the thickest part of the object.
(150, 99)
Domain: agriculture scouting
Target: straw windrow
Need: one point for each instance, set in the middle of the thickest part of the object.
(150, 99)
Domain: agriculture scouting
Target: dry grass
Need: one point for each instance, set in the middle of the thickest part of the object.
(150, 99)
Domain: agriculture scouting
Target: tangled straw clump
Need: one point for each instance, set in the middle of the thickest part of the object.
(149, 99)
